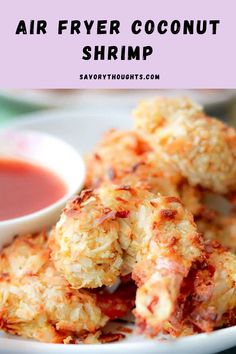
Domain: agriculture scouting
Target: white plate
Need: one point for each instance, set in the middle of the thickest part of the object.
(83, 132)
(84, 98)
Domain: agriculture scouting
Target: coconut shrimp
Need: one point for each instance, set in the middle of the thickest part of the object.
(123, 157)
(96, 239)
(109, 232)
(202, 148)
(221, 228)
(214, 292)
(207, 299)
(169, 248)
(36, 301)
(116, 154)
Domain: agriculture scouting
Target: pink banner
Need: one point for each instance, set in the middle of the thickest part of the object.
(123, 44)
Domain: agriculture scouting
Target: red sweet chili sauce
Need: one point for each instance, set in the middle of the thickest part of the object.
(26, 188)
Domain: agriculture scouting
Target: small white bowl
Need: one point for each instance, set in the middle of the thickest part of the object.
(51, 153)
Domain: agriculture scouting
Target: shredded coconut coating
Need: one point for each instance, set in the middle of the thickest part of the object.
(169, 248)
(202, 148)
(221, 228)
(155, 232)
(95, 240)
(85, 243)
(123, 157)
(36, 301)
(207, 299)
(152, 114)
(117, 153)
(214, 291)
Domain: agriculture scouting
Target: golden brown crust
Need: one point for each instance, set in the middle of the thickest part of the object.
(221, 228)
(155, 113)
(170, 246)
(132, 225)
(203, 149)
(124, 158)
(118, 153)
(95, 241)
(214, 291)
(36, 301)
(207, 298)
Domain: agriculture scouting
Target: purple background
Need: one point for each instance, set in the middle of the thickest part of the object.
(53, 61)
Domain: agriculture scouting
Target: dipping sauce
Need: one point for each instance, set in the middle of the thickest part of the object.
(26, 188)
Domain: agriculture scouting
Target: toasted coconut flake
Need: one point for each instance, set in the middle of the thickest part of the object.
(36, 301)
(202, 148)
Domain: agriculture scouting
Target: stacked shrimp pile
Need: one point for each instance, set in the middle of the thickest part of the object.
(143, 214)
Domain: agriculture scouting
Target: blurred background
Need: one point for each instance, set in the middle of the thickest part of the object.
(18, 104)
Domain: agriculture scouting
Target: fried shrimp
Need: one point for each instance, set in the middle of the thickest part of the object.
(214, 292)
(95, 241)
(152, 114)
(202, 148)
(116, 154)
(36, 301)
(221, 228)
(123, 157)
(102, 234)
(169, 248)
(119, 303)
(207, 298)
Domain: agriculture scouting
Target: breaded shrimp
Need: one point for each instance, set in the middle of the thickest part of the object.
(36, 301)
(221, 228)
(152, 114)
(123, 157)
(214, 292)
(202, 148)
(169, 248)
(116, 154)
(95, 241)
(102, 234)
(207, 298)
(118, 303)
